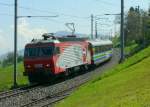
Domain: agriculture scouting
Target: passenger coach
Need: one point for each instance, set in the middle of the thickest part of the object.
(101, 50)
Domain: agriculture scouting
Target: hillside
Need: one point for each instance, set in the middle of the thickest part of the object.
(127, 85)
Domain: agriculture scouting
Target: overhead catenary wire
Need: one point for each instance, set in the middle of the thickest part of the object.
(6, 14)
(6, 4)
(39, 17)
(45, 18)
(105, 2)
(40, 10)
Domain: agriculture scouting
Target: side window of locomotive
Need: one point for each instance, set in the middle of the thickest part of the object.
(57, 50)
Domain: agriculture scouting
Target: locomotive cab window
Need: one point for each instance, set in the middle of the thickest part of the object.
(38, 51)
(46, 51)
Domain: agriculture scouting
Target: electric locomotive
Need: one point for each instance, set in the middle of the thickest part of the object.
(51, 56)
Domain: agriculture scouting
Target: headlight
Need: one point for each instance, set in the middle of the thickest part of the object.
(47, 65)
(28, 66)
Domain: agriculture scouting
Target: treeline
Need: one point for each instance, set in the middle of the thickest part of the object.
(137, 27)
(136, 30)
(9, 60)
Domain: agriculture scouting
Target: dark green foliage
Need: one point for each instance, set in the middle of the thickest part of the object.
(0, 63)
(137, 27)
(20, 58)
(116, 41)
(9, 60)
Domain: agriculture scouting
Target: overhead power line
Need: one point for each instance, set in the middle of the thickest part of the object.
(36, 16)
(6, 14)
(106, 3)
(6, 4)
(40, 10)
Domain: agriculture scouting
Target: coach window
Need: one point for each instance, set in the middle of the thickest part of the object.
(110, 46)
(100, 48)
(96, 49)
(107, 47)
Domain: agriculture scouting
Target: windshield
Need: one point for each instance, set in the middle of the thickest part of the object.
(38, 51)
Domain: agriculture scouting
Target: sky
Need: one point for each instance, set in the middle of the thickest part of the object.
(77, 11)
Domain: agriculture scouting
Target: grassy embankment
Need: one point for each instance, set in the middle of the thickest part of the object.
(130, 49)
(126, 85)
(6, 77)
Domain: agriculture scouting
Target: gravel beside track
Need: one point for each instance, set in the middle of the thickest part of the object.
(17, 91)
(43, 96)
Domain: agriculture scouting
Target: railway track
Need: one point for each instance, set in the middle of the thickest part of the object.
(37, 96)
(17, 91)
(51, 99)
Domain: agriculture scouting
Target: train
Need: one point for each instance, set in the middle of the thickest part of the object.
(51, 56)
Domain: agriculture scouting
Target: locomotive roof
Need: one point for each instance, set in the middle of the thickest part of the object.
(65, 39)
(58, 40)
(98, 42)
(50, 38)
(34, 41)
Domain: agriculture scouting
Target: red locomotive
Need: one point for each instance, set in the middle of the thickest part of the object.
(51, 56)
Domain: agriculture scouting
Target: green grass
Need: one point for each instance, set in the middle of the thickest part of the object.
(130, 49)
(127, 85)
(6, 77)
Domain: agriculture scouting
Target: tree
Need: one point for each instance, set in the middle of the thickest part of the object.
(0, 63)
(132, 26)
(137, 26)
(9, 60)
(20, 58)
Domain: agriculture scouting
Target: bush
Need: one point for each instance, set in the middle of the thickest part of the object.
(9, 60)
